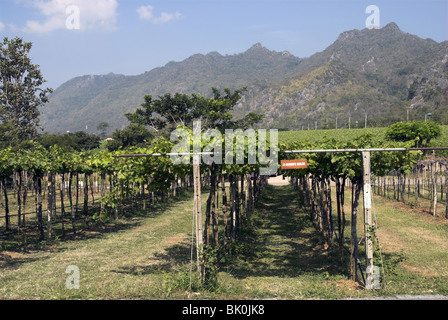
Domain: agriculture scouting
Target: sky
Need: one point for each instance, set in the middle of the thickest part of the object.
(79, 37)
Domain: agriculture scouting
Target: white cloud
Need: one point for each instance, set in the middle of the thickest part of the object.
(146, 13)
(92, 14)
(2, 26)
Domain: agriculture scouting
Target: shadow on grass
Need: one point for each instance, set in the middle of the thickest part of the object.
(282, 241)
(18, 248)
(12, 260)
(170, 259)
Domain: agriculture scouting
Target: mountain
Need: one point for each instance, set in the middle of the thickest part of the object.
(384, 51)
(323, 93)
(382, 73)
(106, 98)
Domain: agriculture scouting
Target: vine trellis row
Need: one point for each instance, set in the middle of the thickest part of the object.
(365, 180)
(251, 185)
(361, 181)
(127, 177)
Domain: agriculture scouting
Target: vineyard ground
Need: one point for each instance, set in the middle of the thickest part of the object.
(146, 255)
(345, 135)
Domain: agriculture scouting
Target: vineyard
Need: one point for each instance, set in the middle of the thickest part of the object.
(51, 195)
(68, 187)
(427, 179)
(72, 190)
(345, 135)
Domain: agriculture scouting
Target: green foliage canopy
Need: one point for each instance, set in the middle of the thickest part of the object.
(20, 92)
(171, 111)
(77, 141)
(419, 131)
(134, 135)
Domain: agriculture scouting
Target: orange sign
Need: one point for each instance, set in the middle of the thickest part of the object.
(294, 164)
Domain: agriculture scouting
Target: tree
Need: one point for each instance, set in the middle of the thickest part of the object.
(134, 135)
(78, 141)
(102, 128)
(420, 131)
(170, 111)
(84, 141)
(5, 129)
(20, 92)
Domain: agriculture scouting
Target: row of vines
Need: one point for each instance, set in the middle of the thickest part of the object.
(73, 189)
(69, 182)
(343, 172)
(424, 187)
(70, 187)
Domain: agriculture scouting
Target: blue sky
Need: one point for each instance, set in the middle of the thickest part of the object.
(133, 36)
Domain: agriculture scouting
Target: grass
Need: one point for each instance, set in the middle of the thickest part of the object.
(419, 241)
(346, 135)
(146, 255)
(116, 260)
(289, 260)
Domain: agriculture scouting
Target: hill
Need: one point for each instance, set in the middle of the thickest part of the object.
(94, 99)
(385, 74)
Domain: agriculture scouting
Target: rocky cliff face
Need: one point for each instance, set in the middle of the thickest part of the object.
(380, 73)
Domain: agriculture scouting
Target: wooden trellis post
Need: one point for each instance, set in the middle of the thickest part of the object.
(197, 196)
(198, 210)
(368, 226)
(434, 188)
